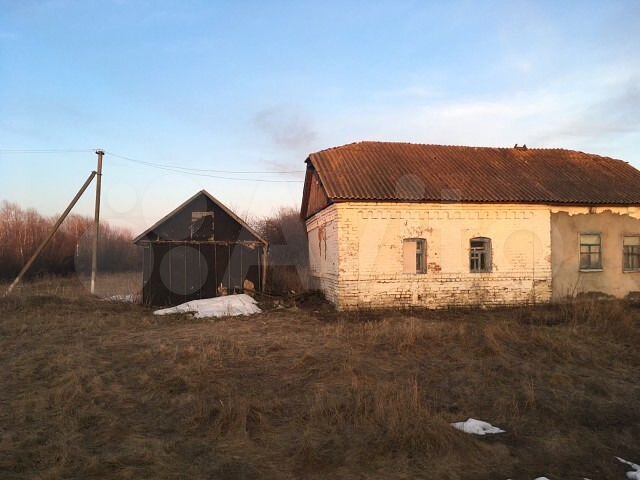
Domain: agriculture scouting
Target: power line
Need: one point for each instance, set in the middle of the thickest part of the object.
(198, 172)
(202, 172)
(179, 167)
(44, 150)
(264, 180)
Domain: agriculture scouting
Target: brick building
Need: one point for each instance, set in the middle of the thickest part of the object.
(404, 225)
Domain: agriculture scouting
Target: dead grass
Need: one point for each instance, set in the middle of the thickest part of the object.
(93, 389)
(75, 286)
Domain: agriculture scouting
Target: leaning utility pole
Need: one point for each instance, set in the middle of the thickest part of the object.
(94, 256)
(50, 236)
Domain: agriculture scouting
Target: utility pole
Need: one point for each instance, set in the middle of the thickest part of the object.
(96, 233)
(51, 233)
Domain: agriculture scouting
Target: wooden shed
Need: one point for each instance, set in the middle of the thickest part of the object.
(200, 250)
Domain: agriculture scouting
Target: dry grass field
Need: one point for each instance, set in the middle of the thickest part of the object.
(94, 389)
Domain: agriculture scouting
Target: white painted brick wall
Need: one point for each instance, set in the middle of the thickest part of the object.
(361, 265)
(322, 232)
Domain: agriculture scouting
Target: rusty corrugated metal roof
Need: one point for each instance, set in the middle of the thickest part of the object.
(385, 171)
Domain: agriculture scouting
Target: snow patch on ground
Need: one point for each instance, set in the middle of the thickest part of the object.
(122, 298)
(635, 473)
(541, 478)
(227, 306)
(477, 427)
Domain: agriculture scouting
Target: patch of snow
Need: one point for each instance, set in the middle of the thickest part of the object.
(122, 298)
(227, 306)
(635, 473)
(477, 427)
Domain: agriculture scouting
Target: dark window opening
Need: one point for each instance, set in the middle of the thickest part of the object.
(480, 255)
(201, 226)
(590, 251)
(631, 253)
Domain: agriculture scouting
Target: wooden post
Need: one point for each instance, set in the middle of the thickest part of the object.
(96, 233)
(44, 243)
(265, 262)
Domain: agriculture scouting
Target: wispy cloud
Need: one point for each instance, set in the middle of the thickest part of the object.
(515, 107)
(521, 65)
(498, 121)
(616, 113)
(412, 91)
(581, 113)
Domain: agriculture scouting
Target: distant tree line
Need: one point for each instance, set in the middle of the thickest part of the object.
(288, 252)
(22, 230)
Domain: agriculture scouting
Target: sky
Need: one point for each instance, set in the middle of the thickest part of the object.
(225, 87)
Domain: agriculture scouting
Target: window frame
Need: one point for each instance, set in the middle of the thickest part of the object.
(600, 266)
(421, 248)
(625, 254)
(200, 215)
(487, 250)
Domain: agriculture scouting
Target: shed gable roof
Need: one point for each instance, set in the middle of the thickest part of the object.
(386, 171)
(184, 204)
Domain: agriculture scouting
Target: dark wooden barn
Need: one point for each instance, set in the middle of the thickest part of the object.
(200, 250)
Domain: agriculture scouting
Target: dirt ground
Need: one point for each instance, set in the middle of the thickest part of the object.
(95, 389)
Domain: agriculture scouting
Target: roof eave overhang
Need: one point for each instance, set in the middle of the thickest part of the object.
(486, 202)
(141, 238)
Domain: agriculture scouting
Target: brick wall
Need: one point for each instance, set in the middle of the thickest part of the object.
(361, 265)
(322, 231)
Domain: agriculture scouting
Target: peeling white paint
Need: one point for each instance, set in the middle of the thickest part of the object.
(362, 266)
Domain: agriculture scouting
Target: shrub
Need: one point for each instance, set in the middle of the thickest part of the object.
(288, 252)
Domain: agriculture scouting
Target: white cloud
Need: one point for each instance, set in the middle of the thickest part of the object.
(413, 91)
(508, 108)
(568, 112)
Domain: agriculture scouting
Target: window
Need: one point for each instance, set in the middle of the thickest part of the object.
(414, 255)
(631, 253)
(480, 255)
(590, 251)
(195, 216)
(201, 225)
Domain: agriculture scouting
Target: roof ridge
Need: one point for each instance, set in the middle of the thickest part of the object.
(204, 192)
(347, 146)
(396, 171)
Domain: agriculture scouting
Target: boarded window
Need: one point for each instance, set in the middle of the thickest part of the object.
(414, 255)
(480, 255)
(590, 251)
(201, 226)
(631, 253)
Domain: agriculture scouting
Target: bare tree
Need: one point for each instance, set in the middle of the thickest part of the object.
(21, 231)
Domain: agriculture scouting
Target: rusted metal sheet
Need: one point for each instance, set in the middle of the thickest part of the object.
(383, 171)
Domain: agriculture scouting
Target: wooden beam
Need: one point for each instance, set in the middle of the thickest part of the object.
(46, 241)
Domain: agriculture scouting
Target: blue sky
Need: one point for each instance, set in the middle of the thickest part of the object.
(256, 86)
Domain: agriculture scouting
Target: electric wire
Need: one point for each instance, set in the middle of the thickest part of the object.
(45, 150)
(199, 172)
(200, 169)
